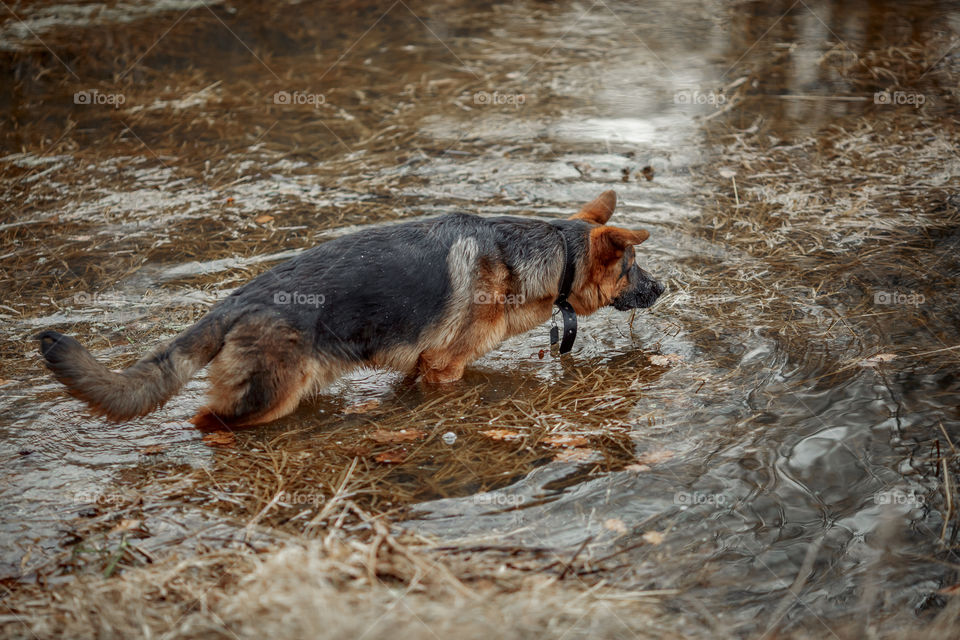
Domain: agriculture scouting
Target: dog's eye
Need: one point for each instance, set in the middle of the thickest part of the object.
(625, 262)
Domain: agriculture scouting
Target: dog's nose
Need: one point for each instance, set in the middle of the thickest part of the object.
(658, 288)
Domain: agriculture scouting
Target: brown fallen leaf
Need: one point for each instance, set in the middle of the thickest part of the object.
(263, 219)
(616, 525)
(392, 437)
(565, 440)
(647, 172)
(576, 455)
(879, 358)
(652, 537)
(665, 359)
(501, 434)
(647, 458)
(655, 456)
(153, 449)
(220, 438)
(126, 525)
(362, 407)
(395, 456)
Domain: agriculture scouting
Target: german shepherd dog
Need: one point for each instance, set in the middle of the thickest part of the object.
(423, 297)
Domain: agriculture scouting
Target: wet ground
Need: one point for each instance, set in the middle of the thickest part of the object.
(774, 439)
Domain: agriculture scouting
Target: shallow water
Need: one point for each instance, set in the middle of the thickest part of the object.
(766, 461)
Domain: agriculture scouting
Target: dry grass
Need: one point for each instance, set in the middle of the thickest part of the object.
(336, 587)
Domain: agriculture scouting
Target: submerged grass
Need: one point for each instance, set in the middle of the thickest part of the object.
(396, 455)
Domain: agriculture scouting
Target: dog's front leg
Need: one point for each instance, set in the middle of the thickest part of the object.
(440, 368)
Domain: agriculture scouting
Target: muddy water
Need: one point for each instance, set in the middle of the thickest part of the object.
(745, 460)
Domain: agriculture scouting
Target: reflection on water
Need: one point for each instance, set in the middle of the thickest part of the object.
(757, 451)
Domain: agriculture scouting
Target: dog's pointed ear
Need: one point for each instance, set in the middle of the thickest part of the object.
(599, 209)
(609, 243)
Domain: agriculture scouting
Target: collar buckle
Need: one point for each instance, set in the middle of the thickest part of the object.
(566, 309)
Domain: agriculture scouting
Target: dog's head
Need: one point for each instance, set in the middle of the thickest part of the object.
(612, 276)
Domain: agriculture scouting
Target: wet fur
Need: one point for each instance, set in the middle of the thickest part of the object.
(414, 297)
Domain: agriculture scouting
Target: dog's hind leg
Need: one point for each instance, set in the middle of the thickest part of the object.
(262, 373)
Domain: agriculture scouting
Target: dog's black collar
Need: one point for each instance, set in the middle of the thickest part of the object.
(566, 310)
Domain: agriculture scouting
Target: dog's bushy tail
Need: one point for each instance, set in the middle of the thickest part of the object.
(141, 388)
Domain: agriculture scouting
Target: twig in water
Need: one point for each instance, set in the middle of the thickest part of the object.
(573, 559)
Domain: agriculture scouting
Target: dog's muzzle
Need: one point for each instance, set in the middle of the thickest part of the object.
(641, 293)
